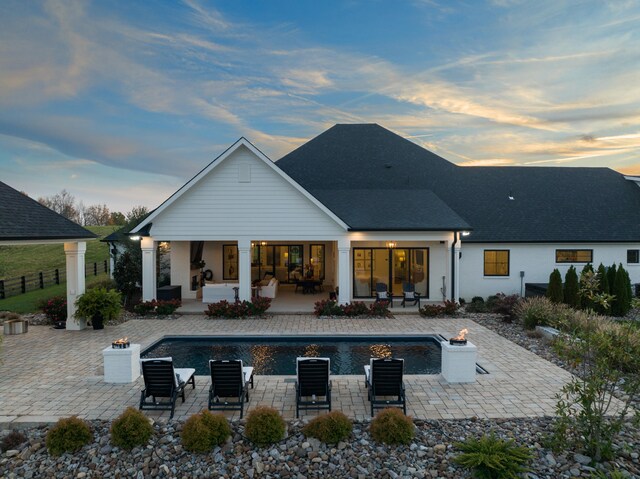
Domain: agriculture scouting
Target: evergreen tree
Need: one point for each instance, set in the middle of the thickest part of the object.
(585, 303)
(622, 302)
(571, 290)
(554, 291)
(603, 277)
(611, 277)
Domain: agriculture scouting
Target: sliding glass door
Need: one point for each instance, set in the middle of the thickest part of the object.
(393, 267)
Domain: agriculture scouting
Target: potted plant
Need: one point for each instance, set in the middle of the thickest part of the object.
(99, 305)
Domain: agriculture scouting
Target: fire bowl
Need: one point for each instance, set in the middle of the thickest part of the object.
(457, 342)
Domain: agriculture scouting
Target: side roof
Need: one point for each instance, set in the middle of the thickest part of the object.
(24, 219)
(549, 204)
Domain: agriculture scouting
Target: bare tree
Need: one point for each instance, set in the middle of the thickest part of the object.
(96, 215)
(63, 203)
(136, 215)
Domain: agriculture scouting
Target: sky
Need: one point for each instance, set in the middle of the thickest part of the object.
(121, 102)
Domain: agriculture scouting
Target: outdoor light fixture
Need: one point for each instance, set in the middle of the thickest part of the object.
(263, 243)
(253, 245)
(466, 233)
(391, 244)
(134, 237)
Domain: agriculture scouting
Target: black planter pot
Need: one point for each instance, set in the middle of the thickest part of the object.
(97, 321)
(60, 325)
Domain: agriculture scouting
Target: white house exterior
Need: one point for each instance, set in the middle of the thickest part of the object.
(359, 205)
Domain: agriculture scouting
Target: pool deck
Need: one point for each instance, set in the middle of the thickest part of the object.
(47, 374)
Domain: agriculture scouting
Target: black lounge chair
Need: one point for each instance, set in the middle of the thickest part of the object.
(383, 379)
(313, 383)
(383, 294)
(162, 380)
(409, 294)
(229, 379)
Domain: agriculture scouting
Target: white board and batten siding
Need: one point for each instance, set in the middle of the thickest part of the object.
(244, 197)
(536, 260)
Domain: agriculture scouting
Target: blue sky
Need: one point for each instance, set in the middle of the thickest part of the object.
(120, 102)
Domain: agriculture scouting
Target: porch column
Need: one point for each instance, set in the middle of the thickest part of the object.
(74, 253)
(149, 283)
(244, 267)
(455, 294)
(344, 271)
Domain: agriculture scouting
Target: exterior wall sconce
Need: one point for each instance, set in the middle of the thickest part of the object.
(391, 244)
(263, 243)
(466, 233)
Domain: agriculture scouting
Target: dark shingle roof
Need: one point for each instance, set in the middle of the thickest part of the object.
(551, 204)
(22, 218)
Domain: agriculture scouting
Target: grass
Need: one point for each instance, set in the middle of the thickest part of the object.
(28, 302)
(19, 260)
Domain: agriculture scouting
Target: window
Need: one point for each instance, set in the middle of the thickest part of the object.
(633, 256)
(574, 256)
(496, 262)
(229, 261)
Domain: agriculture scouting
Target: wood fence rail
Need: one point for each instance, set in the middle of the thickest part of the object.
(42, 279)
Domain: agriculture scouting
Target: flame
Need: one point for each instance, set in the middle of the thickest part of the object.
(461, 335)
(121, 340)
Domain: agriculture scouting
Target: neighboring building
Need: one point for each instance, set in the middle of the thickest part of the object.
(359, 205)
(25, 221)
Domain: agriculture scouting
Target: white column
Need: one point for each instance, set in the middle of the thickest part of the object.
(244, 267)
(447, 262)
(344, 271)
(112, 259)
(455, 294)
(74, 253)
(149, 282)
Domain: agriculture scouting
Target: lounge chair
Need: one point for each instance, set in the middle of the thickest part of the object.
(313, 383)
(383, 294)
(409, 294)
(162, 380)
(383, 378)
(229, 379)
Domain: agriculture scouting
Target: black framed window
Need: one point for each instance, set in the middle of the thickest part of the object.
(574, 256)
(633, 256)
(496, 262)
(316, 260)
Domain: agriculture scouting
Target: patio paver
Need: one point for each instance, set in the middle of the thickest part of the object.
(46, 373)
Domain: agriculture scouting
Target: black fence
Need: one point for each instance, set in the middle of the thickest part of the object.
(43, 279)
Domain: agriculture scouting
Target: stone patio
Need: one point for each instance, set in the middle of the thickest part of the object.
(47, 374)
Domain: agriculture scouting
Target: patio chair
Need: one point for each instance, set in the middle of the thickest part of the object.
(313, 383)
(383, 294)
(162, 380)
(409, 294)
(229, 379)
(383, 379)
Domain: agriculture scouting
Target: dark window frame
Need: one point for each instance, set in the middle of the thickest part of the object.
(484, 262)
(637, 256)
(576, 261)
(225, 263)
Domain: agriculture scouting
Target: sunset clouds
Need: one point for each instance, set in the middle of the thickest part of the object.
(93, 92)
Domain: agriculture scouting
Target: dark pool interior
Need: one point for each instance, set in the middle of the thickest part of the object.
(277, 355)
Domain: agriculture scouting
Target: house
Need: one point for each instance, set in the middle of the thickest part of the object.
(25, 221)
(359, 205)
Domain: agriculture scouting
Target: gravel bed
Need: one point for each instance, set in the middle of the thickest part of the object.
(428, 456)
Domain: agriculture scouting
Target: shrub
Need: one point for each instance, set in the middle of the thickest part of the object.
(505, 305)
(327, 307)
(391, 426)
(622, 291)
(131, 429)
(611, 277)
(554, 290)
(329, 428)
(536, 311)
(357, 308)
(144, 308)
(450, 307)
(264, 426)
(492, 458)
(55, 309)
(100, 302)
(12, 441)
(571, 289)
(159, 307)
(379, 309)
(203, 431)
(243, 309)
(477, 299)
(106, 283)
(431, 310)
(8, 316)
(68, 435)
(477, 305)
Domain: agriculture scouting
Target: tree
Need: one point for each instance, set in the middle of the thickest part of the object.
(621, 289)
(603, 279)
(127, 273)
(611, 277)
(137, 214)
(554, 291)
(571, 289)
(63, 203)
(584, 300)
(117, 218)
(96, 215)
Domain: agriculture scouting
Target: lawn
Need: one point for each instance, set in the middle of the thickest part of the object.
(16, 261)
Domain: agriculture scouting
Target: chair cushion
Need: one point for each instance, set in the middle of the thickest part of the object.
(410, 294)
(383, 295)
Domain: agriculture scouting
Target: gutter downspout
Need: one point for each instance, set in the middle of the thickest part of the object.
(453, 265)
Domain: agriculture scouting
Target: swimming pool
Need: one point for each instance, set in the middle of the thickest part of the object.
(276, 355)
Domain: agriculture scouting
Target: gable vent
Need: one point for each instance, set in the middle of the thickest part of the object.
(244, 173)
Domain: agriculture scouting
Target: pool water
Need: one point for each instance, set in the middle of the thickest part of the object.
(277, 355)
